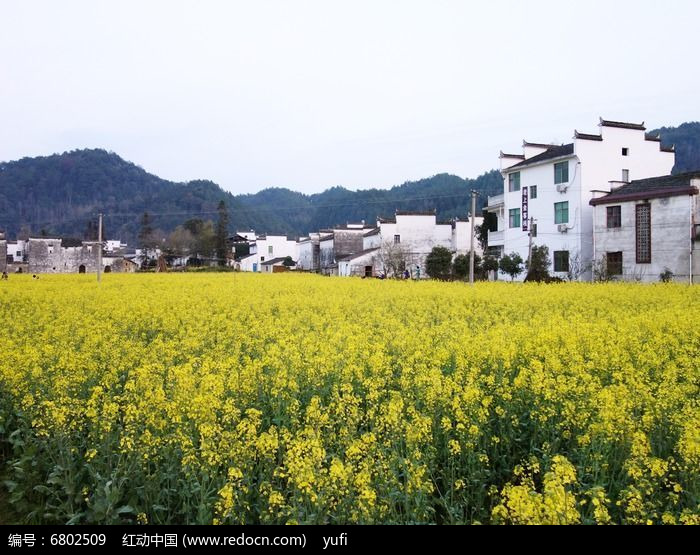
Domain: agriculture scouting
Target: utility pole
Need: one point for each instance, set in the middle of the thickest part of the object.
(99, 250)
(471, 248)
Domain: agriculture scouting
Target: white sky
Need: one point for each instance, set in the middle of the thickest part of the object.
(311, 94)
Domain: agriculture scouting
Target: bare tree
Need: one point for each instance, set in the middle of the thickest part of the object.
(600, 270)
(181, 241)
(394, 258)
(577, 267)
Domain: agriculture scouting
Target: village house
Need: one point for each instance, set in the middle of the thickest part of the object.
(261, 248)
(114, 246)
(339, 243)
(16, 251)
(275, 265)
(3, 253)
(53, 255)
(48, 255)
(309, 252)
(547, 190)
(326, 251)
(358, 249)
(649, 228)
(404, 242)
(119, 264)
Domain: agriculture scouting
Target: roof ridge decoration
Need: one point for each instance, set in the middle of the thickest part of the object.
(652, 187)
(549, 154)
(519, 156)
(432, 212)
(622, 124)
(587, 136)
(541, 145)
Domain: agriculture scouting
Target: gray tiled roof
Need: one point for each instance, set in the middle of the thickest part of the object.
(357, 254)
(587, 136)
(273, 261)
(622, 124)
(652, 187)
(555, 152)
(416, 212)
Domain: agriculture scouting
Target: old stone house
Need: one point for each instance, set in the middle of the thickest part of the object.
(647, 228)
(48, 255)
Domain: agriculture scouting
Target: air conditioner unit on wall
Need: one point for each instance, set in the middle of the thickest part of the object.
(562, 187)
(563, 228)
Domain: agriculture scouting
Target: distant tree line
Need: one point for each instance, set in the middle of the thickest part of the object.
(196, 238)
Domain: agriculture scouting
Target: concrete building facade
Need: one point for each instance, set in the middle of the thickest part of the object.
(647, 228)
(547, 189)
(46, 255)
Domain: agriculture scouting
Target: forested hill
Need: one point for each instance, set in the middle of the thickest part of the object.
(686, 138)
(60, 194)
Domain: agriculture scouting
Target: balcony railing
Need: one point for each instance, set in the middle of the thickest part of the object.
(495, 200)
(495, 237)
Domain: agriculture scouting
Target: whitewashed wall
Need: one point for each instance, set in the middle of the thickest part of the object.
(671, 221)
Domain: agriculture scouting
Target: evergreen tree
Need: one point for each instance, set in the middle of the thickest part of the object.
(490, 223)
(460, 267)
(438, 264)
(538, 265)
(511, 264)
(146, 233)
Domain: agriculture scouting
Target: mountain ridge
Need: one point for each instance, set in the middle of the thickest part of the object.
(61, 193)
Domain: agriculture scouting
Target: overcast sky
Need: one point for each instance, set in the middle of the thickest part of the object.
(308, 95)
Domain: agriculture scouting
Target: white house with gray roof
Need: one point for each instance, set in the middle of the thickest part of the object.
(547, 189)
(649, 227)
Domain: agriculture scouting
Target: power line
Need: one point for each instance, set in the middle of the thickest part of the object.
(243, 210)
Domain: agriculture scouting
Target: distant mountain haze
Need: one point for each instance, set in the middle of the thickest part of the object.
(60, 194)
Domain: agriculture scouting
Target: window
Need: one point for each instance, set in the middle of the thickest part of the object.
(397, 239)
(269, 249)
(561, 261)
(533, 191)
(625, 175)
(561, 172)
(514, 217)
(614, 263)
(514, 181)
(643, 233)
(614, 216)
(561, 212)
(262, 259)
(625, 151)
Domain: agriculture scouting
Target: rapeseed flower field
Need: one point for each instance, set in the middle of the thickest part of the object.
(222, 398)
